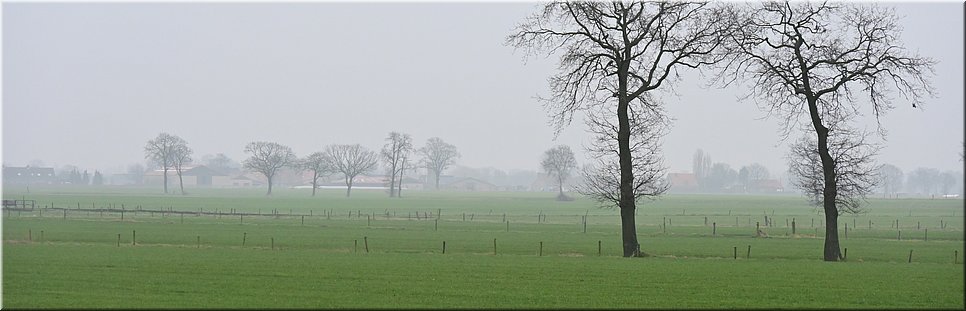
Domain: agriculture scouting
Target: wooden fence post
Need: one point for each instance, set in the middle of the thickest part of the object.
(199, 241)
(444, 247)
(134, 235)
(435, 224)
(910, 256)
(118, 240)
(273, 243)
(494, 246)
(365, 240)
(714, 229)
(244, 237)
(736, 252)
(355, 244)
(846, 255)
(748, 255)
(541, 249)
(598, 248)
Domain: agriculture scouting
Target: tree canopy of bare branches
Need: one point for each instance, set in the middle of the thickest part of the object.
(612, 54)
(558, 162)
(319, 165)
(181, 156)
(267, 158)
(601, 179)
(818, 60)
(396, 152)
(853, 159)
(351, 161)
(161, 150)
(891, 178)
(438, 155)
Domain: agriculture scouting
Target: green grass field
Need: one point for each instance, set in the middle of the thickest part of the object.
(87, 259)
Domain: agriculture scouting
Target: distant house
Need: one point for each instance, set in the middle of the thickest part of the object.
(682, 182)
(469, 184)
(193, 176)
(28, 175)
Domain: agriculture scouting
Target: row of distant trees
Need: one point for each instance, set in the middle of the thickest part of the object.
(718, 176)
(922, 180)
(399, 155)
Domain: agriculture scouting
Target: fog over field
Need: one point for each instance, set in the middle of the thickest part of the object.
(88, 84)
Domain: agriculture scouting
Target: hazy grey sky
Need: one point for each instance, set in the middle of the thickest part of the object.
(89, 84)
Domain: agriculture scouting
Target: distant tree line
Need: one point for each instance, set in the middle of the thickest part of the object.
(171, 152)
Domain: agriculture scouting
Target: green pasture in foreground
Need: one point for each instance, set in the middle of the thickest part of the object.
(321, 262)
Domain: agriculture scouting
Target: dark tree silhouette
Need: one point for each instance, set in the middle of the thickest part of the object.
(160, 150)
(438, 155)
(817, 59)
(351, 161)
(267, 158)
(612, 54)
(396, 152)
(558, 162)
(181, 156)
(319, 165)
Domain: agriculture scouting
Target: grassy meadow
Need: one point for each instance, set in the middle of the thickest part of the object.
(369, 251)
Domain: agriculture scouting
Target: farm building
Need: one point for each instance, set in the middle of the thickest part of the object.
(193, 176)
(469, 184)
(28, 175)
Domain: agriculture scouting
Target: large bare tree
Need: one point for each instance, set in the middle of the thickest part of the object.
(160, 150)
(854, 163)
(181, 156)
(351, 161)
(319, 165)
(818, 60)
(558, 162)
(396, 152)
(613, 53)
(268, 158)
(438, 155)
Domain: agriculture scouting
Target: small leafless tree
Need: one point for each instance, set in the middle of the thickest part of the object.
(396, 152)
(612, 54)
(181, 156)
(891, 178)
(558, 162)
(601, 180)
(160, 150)
(701, 165)
(319, 165)
(268, 158)
(351, 161)
(853, 159)
(438, 155)
(816, 59)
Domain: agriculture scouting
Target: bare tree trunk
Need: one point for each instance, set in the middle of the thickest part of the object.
(165, 179)
(315, 182)
(269, 185)
(560, 187)
(437, 179)
(392, 179)
(401, 170)
(181, 181)
(628, 224)
(831, 250)
(348, 184)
